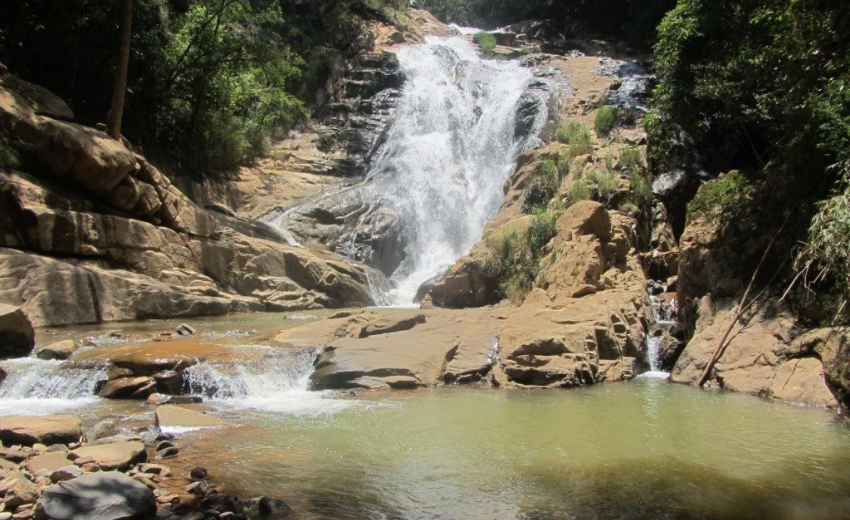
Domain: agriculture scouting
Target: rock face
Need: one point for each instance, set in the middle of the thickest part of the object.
(99, 496)
(102, 224)
(763, 357)
(46, 429)
(767, 353)
(16, 332)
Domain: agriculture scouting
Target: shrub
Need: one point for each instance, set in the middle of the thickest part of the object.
(577, 136)
(578, 191)
(720, 196)
(606, 184)
(606, 118)
(514, 257)
(641, 189)
(486, 41)
(631, 159)
(542, 186)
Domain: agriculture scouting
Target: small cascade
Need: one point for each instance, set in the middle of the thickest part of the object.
(278, 382)
(663, 320)
(40, 386)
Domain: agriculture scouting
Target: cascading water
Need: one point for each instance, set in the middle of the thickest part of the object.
(46, 385)
(662, 321)
(278, 382)
(453, 144)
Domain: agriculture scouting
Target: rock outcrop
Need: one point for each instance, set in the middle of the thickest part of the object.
(101, 223)
(768, 352)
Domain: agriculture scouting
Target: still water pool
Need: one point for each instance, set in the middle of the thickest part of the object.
(640, 450)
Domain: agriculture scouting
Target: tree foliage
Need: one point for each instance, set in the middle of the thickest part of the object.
(210, 81)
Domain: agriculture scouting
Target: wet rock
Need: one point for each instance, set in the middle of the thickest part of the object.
(169, 381)
(198, 473)
(59, 350)
(268, 506)
(46, 429)
(128, 388)
(16, 332)
(197, 488)
(221, 504)
(98, 496)
(116, 456)
(155, 469)
(160, 399)
(185, 330)
(167, 453)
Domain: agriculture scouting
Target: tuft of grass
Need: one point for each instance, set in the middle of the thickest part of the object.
(577, 136)
(606, 184)
(486, 41)
(514, 257)
(578, 191)
(606, 119)
(631, 159)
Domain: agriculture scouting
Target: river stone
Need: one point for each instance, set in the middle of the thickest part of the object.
(171, 417)
(98, 496)
(118, 455)
(46, 429)
(59, 350)
(48, 462)
(17, 491)
(16, 332)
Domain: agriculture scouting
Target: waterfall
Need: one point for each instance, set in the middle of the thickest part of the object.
(37, 386)
(453, 143)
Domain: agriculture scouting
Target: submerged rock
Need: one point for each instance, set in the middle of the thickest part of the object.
(98, 496)
(170, 417)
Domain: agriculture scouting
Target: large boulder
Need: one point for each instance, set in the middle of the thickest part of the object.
(45, 429)
(112, 456)
(98, 496)
(17, 336)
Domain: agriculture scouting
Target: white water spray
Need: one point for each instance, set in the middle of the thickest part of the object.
(451, 147)
(278, 382)
(35, 386)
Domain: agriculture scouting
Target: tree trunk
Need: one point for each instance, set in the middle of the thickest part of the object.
(116, 107)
